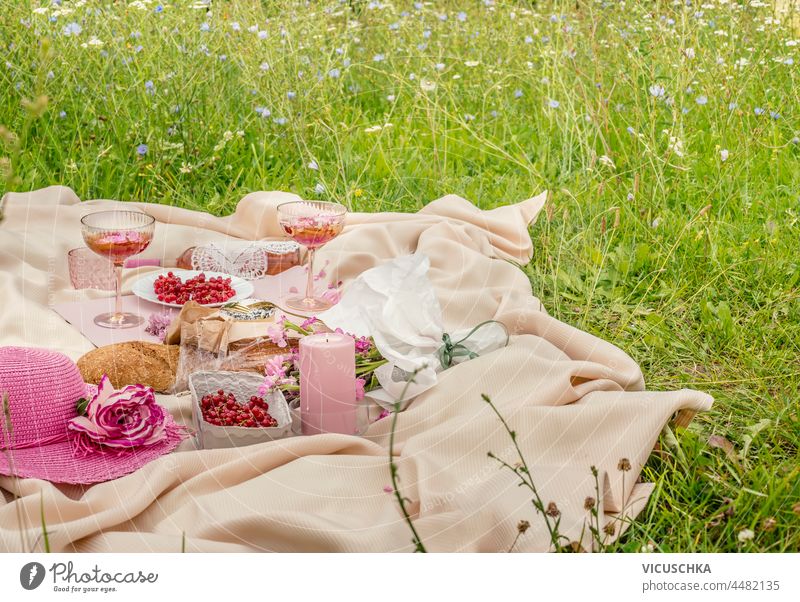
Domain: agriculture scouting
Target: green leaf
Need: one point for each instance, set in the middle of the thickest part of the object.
(80, 407)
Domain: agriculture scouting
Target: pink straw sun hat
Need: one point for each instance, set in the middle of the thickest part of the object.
(43, 437)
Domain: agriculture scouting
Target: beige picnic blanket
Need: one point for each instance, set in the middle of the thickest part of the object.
(575, 401)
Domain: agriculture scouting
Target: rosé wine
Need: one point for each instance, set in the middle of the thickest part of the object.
(313, 232)
(119, 245)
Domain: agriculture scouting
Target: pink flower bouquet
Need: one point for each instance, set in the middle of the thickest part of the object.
(282, 372)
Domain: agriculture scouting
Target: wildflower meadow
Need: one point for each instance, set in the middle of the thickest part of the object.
(667, 132)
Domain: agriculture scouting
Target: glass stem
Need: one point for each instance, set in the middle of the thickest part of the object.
(118, 301)
(310, 282)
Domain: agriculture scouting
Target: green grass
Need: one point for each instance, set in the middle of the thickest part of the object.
(686, 261)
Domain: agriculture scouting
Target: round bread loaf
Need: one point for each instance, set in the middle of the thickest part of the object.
(131, 363)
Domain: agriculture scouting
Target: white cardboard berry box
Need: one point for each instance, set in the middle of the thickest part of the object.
(243, 385)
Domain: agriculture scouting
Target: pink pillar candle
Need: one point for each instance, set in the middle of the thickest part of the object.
(328, 384)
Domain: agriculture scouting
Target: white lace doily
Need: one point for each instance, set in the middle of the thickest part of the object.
(243, 258)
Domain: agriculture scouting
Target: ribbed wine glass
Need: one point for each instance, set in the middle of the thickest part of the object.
(312, 224)
(117, 235)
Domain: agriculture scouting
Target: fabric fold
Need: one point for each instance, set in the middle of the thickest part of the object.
(574, 400)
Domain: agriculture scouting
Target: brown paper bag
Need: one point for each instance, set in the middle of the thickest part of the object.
(214, 340)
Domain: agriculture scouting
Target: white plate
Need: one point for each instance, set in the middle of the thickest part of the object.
(143, 288)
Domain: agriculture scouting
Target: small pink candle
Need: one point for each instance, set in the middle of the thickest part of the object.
(328, 384)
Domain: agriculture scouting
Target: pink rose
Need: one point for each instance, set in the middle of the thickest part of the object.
(126, 418)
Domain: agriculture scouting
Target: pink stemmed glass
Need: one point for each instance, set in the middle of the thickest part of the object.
(312, 224)
(117, 235)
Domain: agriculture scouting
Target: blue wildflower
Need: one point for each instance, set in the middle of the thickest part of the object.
(205, 27)
(378, 58)
(553, 104)
(280, 120)
(462, 16)
(141, 150)
(149, 87)
(701, 100)
(72, 29)
(732, 106)
(334, 73)
(517, 93)
(758, 111)
(291, 95)
(158, 9)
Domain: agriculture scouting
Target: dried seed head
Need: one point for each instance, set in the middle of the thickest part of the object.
(796, 508)
(609, 529)
(552, 510)
(523, 526)
(624, 465)
(588, 503)
(769, 524)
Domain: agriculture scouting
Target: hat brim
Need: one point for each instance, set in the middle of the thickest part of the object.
(58, 463)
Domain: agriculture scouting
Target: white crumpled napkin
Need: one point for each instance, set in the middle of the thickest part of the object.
(396, 305)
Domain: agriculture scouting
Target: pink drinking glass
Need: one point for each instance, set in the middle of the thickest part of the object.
(87, 269)
(117, 235)
(312, 224)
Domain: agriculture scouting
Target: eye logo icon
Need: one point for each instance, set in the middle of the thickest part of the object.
(31, 575)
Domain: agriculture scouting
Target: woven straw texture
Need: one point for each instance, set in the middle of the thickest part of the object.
(43, 387)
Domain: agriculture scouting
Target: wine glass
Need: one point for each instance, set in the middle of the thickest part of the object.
(312, 224)
(117, 235)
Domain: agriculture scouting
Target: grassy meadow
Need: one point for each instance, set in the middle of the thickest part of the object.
(667, 132)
